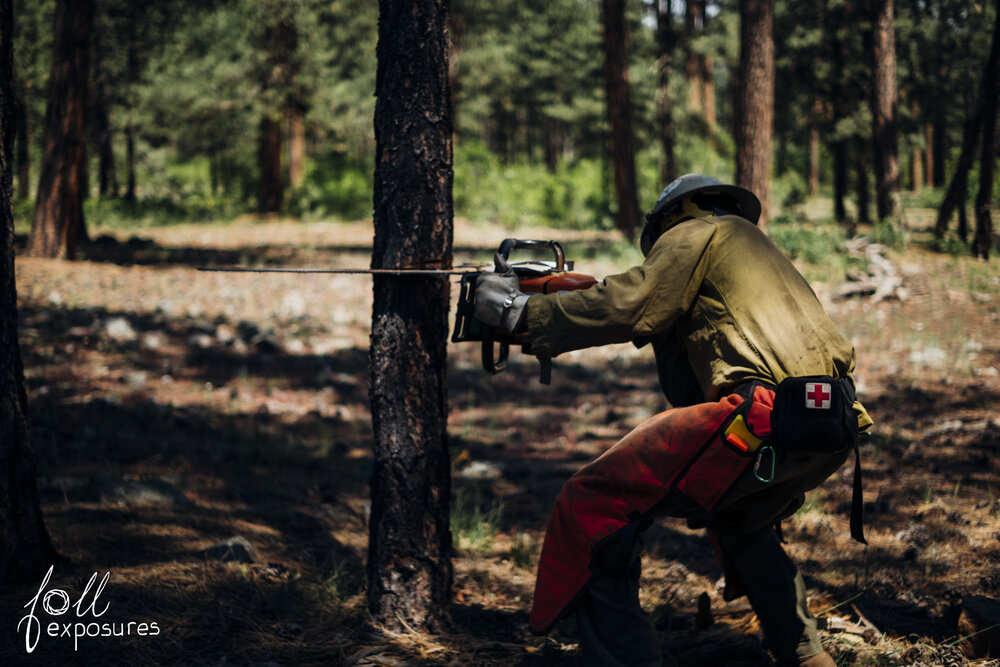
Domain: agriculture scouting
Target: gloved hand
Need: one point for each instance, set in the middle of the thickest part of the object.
(499, 299)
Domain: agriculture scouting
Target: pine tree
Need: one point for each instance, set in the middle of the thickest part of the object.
(409, 548)
(755, 110)
(25, 549)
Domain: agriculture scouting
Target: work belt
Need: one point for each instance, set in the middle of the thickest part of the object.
(699, 451)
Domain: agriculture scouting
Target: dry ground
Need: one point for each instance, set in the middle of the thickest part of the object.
(172, 409)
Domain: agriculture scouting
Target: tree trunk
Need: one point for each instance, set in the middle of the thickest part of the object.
(817, 112)
(620, 114)
(755, 111)
(269, 190)
(955, 196)
(694, 24)
(23, 143)
(58, 222)
(130, 162)
(707, 92)
(25, 549)
(281, 41)
(982, 242)
(862, 182)
(666, 42)
(929, 174)
(296, 148)
(107, 178)
(409, 552)
(883, 104)
(839, 150)
(132, 76)
(940, 136)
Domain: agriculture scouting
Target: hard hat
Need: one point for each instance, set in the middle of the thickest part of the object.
(745, 202)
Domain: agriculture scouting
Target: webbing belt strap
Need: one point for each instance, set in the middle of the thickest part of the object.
(857, 500)
(857, 494)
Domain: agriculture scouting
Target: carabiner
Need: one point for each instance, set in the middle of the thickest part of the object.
(756, 465)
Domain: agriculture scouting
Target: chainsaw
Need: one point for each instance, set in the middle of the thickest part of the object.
(535, 277)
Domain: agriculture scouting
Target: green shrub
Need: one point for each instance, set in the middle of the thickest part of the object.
(810, 243)
(522, 193)
(335, 186)
(474, 526)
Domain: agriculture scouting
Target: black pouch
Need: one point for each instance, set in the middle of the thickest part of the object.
(814, 413)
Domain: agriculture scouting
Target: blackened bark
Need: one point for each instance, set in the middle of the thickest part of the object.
(409, 552)
(620, 114)
(883, 104)
(955, 197)
(58, 223)
(25, 549)
(666, 39)
(755, 110)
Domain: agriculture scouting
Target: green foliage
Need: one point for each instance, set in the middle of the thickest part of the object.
(158, 212)
(813, 244)
(574, 196)
(474, 526)
(337, 186)
(531, 133)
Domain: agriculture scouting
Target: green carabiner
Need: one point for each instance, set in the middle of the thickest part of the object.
(756, 465)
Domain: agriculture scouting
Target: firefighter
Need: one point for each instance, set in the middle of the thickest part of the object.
(742, 345)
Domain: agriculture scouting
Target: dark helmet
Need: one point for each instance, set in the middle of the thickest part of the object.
(718, 195)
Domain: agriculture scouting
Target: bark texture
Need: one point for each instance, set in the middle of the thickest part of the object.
(409, 553)
(755, 107)
(280, 41)
(628, 217)
(58, 223)
(25, 549)
(666, 39)
(270, 194)
(886, 152)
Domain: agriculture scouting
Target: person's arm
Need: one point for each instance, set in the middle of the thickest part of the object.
(643, 301)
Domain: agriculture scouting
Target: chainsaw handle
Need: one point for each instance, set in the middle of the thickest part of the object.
(511, 244)
(490, 364)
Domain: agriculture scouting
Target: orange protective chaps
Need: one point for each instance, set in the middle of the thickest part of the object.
(683, 449)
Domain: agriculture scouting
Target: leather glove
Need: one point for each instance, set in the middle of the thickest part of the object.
(499, 299)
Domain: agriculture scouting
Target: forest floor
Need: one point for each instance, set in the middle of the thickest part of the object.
(173, 409)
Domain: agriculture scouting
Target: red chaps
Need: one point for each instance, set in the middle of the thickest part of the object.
(686, 449)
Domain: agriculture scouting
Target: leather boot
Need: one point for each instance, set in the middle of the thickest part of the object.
(821, 659)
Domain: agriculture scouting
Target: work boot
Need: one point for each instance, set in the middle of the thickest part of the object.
(821, 659)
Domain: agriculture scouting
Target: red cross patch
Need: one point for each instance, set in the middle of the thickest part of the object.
(818, 395)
